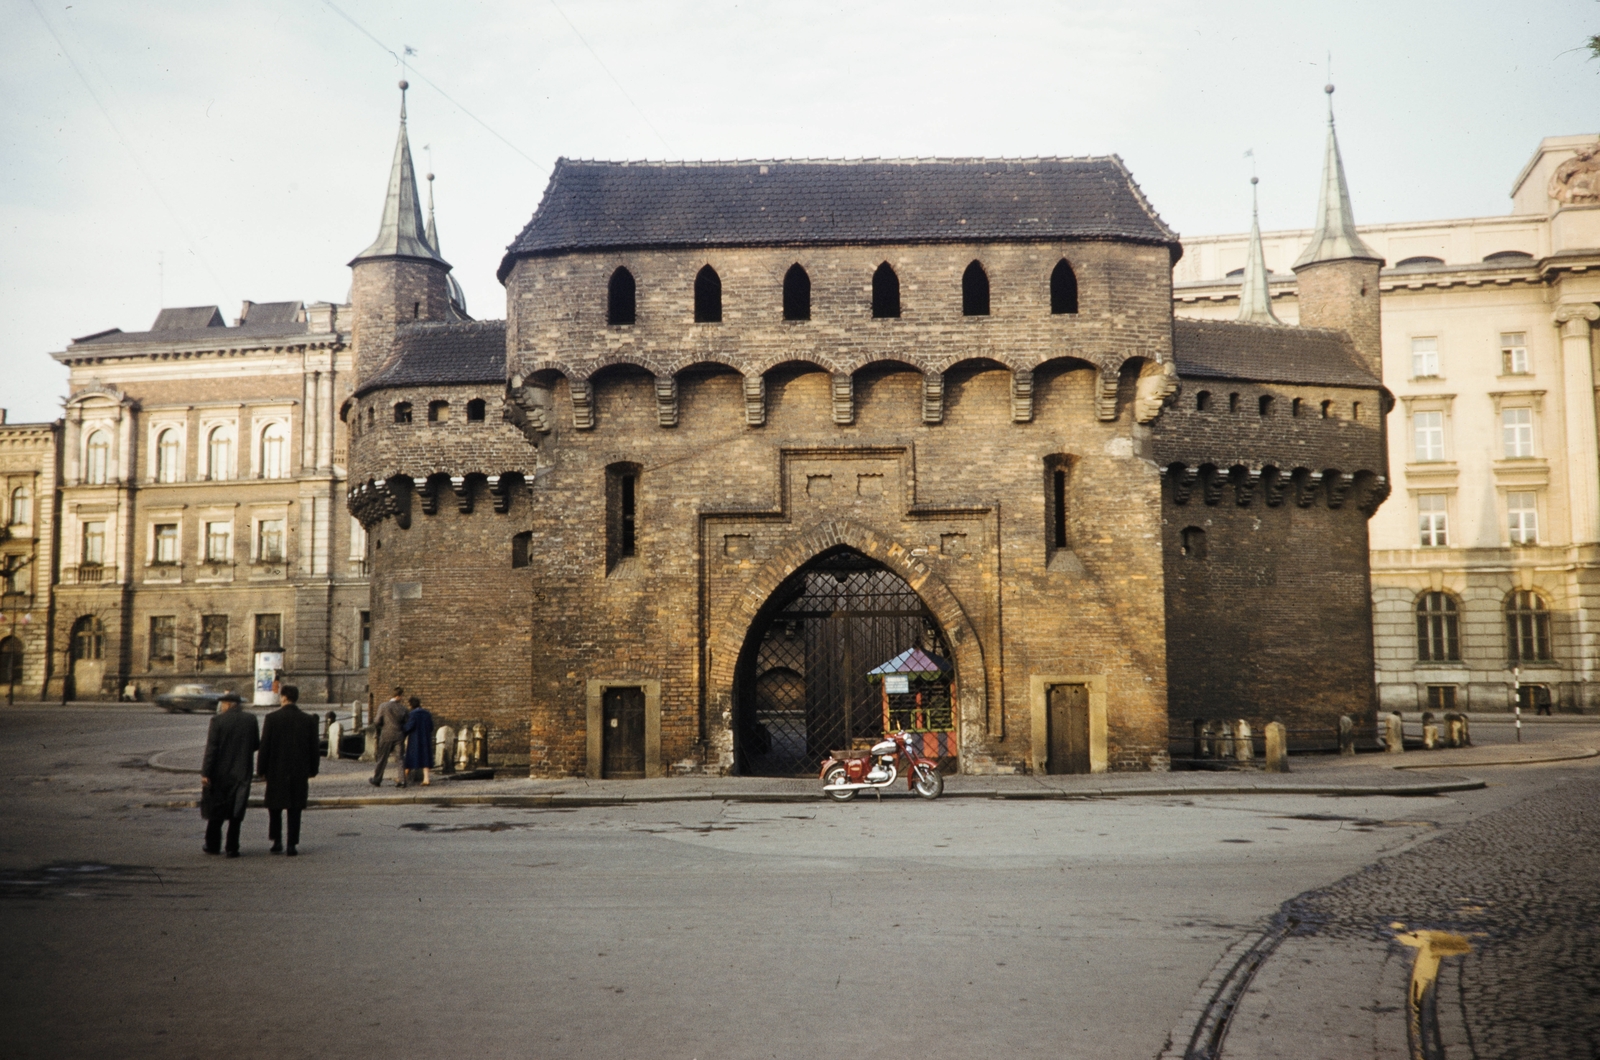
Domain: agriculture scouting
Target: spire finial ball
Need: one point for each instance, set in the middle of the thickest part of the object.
(1255, 180)
(404, 85)
(430, 176)
(1328, 89)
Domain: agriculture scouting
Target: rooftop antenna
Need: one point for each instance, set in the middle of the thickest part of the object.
(161, 279)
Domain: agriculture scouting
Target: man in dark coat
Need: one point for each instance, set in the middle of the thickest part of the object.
(288, 759)
(419, 741)
(231, 743)
(391, 724)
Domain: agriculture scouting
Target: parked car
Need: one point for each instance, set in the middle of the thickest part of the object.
(190, 698)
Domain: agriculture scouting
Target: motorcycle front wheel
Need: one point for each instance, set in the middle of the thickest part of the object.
(837, 775)
(929, 783)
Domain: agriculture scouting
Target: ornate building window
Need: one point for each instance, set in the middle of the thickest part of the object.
(885, 292)
(166, 543)
(1516, 427)
(1527, 627)
(169, 455)
(163, 638)
(219, 455)
(975, 291)
(1433, 520)
(796, 293)
(1438, 628)
(707, 296)
(1514, 353)
(97, 458)
(11, 660)
(219, 542)
(269, 633)
(1428, 430)
(21, 512)
(94, 544)
(214, 638)
(1522, 511)
(88, 638)
(1425, 357)
(402, 412)
(620, 298)
(1063, 289)
(275, 451)
(269, 541)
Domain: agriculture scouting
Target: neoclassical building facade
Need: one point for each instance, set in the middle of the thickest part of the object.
(1486, 561)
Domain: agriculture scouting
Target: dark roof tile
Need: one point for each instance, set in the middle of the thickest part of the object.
(594, 205)
(1264, 353)
(445, 354)
(182, 319)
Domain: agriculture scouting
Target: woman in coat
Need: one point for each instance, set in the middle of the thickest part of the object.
(419, 741)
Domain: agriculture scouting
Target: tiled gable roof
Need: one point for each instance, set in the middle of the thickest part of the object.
(182, 319)
(439, 353)
(594, 205)
(1264, 353)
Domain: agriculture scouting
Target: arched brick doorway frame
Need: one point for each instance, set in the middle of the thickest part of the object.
(972, 679)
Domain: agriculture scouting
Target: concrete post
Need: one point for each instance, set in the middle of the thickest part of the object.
(463, 758)
(1430, 735)
(1393, 735)
(480, 745)
(1347, 736)
(1277, 747)
(1224, 739)
(335, 734)
(1243, 749)
(444, 749)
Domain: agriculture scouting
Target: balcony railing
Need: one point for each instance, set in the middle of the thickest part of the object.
(93, 573)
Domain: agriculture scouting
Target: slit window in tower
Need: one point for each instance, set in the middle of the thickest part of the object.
(975, 291)
(707, 296)
(1058, 520)
(622, 513)
(796, 294)
(885, 292)
(620, 298)
(629, 514)
(1063, 289)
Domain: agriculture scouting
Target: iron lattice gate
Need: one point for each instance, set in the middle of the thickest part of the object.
(803, 689)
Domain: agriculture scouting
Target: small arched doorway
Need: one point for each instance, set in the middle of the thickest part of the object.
(801, 687)
(88, 649)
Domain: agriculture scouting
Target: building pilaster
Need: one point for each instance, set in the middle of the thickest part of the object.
(1583, 444)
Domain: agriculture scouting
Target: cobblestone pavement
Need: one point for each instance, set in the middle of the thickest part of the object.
(1521, 884)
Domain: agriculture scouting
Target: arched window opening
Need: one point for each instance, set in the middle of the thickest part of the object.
(796, 293)
(1296, 408)
(1202, 401)
(1063, 289)
(97, 459)
(1509, 256)
(438, 412)
(1194, 542)
(707, 296)
(372, 415)
(1527, 627)
(1438, 628)
(275, 451)
(402, 412)
(21, 510)
(975, 291)
(1057, 504)
(1327, 410)
(521, 545)
(10, 661)
(219, 455)
(1420, 261)
(1355, 410)
(167, 456)
(475, 410)
(88, 638)
(1264, 405)
(620, 298)
(1233, 402)
(885, 292)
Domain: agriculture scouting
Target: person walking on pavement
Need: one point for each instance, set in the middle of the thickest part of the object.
(231, 744)
(391, 724)
(419, 741)
(288, 760)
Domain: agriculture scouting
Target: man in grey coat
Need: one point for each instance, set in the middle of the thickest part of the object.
(391, 725)
(231, 744)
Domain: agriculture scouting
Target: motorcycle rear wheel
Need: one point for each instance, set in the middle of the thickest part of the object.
(837, 775)
(929, 783)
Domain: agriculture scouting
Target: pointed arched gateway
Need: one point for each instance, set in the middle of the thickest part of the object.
(801, 680)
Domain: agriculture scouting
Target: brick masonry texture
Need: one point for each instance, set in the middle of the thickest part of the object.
(921, 442)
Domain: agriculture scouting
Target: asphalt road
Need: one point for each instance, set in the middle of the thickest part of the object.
(694, 930)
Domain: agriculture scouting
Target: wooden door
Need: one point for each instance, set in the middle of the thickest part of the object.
(622, 737)
(1068, 721)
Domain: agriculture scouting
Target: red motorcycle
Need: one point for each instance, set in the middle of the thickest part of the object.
(848, 772)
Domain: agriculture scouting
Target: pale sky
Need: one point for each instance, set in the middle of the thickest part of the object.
(196, 152)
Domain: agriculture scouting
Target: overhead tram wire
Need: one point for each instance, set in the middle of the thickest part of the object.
(411, 68)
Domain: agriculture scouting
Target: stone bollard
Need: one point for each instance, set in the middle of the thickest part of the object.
(335, 734)
(1394, 740)
(1451, 732)
(1277, 747)
(444, 749)
(1243, 748)
(1203, 728)
(1466, 729)
(369, 746)
(1224, 740)
(1347, 735)
(480, 746)
(1430, 735)
(463, 758)
(1201, 747)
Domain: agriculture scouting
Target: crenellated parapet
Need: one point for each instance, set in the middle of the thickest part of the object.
(1273, 486)
(398, 495)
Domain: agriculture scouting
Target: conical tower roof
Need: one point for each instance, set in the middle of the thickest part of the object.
(401, 233)
(1255, 300)
(1335, 238)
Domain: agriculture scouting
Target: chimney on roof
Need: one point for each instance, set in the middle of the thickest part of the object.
(2, 416)
(244, 313)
